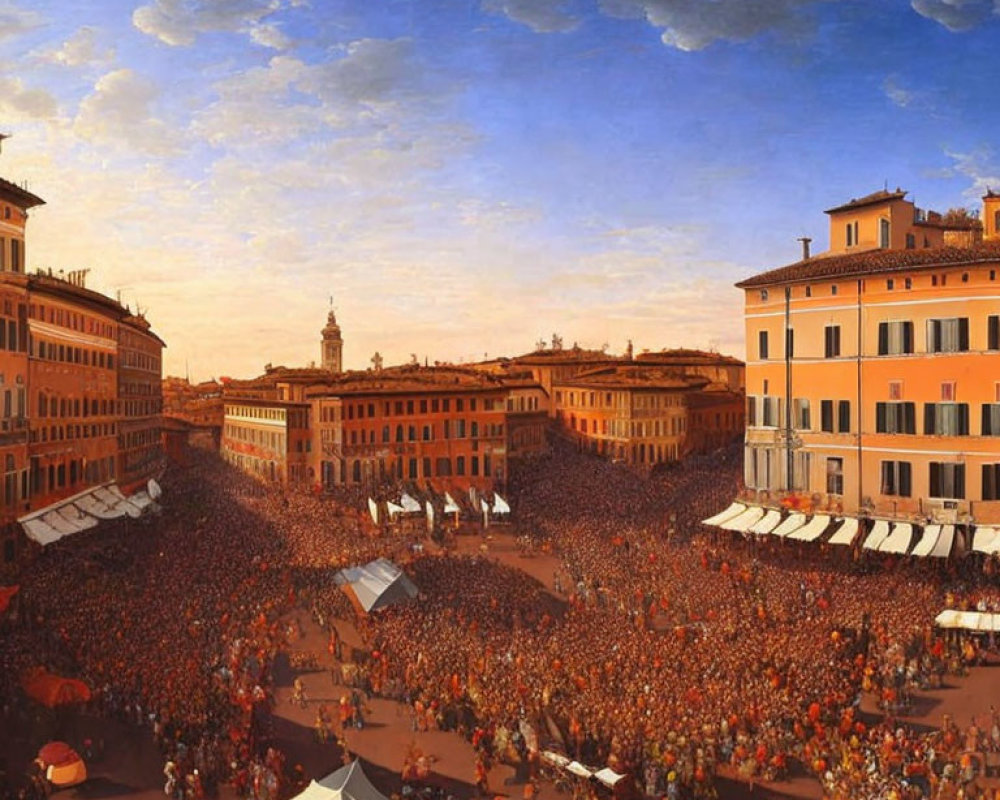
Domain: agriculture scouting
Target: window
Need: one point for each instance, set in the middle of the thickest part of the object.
(993, 332)
(835, 476)
(826, 415)
(907, 283)
(844, 416)
(947, 480)
(895, 338)
(896, 478)
(772, 411)
(948, 392)
(991, 481)
(800, 410)
(751, 410)
(832, 341)
(762, 345)
(763, 294)
(948, 335)
(890, 284)
(883, 233)
(809, 291)
(911, 242)
(789, 343)
(946, 419)
(991, 419)
(852, 233)
(833, 289)
(460, 465)
(895, 418)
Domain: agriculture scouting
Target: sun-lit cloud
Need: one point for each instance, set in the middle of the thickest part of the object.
(542, 16)
(20, 102)
(14, 20)
(957, 15)
(180, 22)
(82, 48)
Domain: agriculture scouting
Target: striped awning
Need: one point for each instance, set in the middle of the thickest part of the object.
(844, 535)
(942, 548)
(899, 540)
(878, 534)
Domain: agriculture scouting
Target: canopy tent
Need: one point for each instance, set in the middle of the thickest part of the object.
(62, 765)
(373, 510)
(792, 523)
(986, 540)
(812, 530)
(899, 540)
(968, 620)
(83, 511)
(376, 585)
(878, 534)
(500, 505)
(608, 777)
(393, 509)
(844, 535)
(53, 690)
(347, 783)
(410, 506)
(450, 506)
(733, 510)
(743, 521)
(767, 523)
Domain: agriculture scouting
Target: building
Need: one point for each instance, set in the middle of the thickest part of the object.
(268, 438)
(79, 383)
(642, 415)
(872, 369)
(332, 345)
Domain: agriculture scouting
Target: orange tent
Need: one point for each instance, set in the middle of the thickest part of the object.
(62, 764)
(6, 593)
(53, 690)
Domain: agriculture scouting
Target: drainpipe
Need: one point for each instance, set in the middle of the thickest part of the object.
(789, 455)
(860, 339)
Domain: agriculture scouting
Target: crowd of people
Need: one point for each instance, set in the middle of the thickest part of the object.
(667, 651)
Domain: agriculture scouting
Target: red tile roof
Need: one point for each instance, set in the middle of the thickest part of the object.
(881, 196)
(875, 262)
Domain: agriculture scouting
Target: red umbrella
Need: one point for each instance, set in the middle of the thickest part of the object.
(57, 754)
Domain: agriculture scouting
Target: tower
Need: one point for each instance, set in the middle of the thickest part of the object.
(332, 345)
(991, 215)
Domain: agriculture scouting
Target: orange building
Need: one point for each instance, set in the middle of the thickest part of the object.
(268, 438)
(62, 431)
(872, 373)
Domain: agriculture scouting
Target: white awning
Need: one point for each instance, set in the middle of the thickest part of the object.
(733, 510)
(968, 620)
(555, 758)
(844, 535)
(81, 512)
(500, 505)
(578, 769)
(879, 533)
(986, 540)
(373, 510)
(942, 548)
(743, 521)
(927, 541)
(899, 540)
(766, 523)
(41, 532)
(410, 506)
(450, 506)
(155, 492)
(608, 777)
(792, 522)
(393, 509)
(812, 530)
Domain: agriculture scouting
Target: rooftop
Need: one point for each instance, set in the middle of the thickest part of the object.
(875, 262)
(20, 197)
(881, 196)
(632, 376)
(682, 356)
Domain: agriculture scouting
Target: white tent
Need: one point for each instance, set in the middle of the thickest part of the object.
(347, 783)
(986, 540)
(500, 505)
(81, 512)
(744, 520)
(450, 506)
(733, 510)
(376, 585)
(373, 510)
(393, 509)
(410, 506)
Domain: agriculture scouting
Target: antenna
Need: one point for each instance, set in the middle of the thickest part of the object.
(2, 137)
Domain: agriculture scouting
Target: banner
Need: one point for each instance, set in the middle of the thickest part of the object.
(373, 509)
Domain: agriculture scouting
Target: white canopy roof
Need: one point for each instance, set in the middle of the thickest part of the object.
(791, 523)
(500, 505)
(744, 520)
(393, 509)
(377, 584)
(877, 535)
(844, 535)
(608, 776)
(347, 783)
(81, 512)
(373, 510)
(812, 530)
(968, 620)
(899, 540)
(767, 523)
(733, 510)
(942, 548)
(450, 506)
(578, 769)
(986, 540)
(927, 541)
(410, 506)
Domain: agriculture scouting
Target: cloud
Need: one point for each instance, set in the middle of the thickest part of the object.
(119, 110)
(270, 35)
(179, 22)
(542, 16)
(896, 93)
(19, 103)
(81, 49)
(980, 167)
(957, 15)
(694, 24)
(15, 21)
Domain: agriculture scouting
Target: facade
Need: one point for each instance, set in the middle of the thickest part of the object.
(642, 415)
(873, 374)
(268, 438)
(72, 417)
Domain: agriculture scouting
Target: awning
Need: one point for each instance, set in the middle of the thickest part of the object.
(878, 534)
(844, 535)
(81, 512)
(899, 540)
(743, 521)
(942, 548)
(792, 522)
(766, 523)
(733, 510)
(986, 540)
(410, 506)
(500, 505)
(578, 769)
(927, 541)
(981, 621)
(450, 506)
(393, 509)
(812, 530)
(608, 777)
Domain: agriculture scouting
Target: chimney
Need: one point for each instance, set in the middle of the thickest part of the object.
(805, 247)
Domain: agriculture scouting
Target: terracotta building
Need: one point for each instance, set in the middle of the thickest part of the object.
(268, 438)
(140, 402)
(872, 374)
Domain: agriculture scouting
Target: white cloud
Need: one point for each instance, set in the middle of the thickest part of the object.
(270, 35)
(81, 49)
(695, 24)
(979, 167)
(542, 16)
(21, 103)
(896, 93)
(15, 21)
(179, 22)
(120, 110)
(957, 15)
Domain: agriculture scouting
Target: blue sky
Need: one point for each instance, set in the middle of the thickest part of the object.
(468, 176)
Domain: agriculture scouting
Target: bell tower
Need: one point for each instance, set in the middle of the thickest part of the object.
(332, 344)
